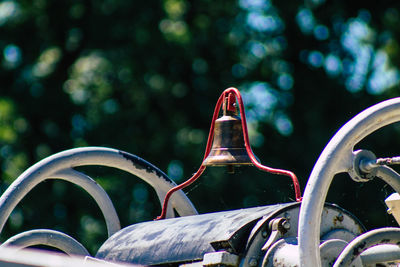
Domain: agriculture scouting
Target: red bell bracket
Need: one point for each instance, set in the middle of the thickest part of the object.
(228, 98)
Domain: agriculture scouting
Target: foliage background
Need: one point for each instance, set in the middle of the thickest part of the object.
(144, 76)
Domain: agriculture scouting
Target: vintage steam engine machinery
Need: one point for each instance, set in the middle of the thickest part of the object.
(308, 232)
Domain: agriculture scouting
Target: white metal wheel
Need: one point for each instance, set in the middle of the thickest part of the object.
(61, 166)
(337, 157)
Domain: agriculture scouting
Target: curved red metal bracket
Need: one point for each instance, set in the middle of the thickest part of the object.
(231, 93)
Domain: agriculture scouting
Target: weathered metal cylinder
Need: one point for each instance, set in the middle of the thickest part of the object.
(228, 143)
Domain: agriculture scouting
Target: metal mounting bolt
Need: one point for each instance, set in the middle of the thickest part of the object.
(286, 225)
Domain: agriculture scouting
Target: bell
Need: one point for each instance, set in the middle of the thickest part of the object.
(228, 147)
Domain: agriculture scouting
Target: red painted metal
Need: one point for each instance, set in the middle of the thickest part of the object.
(232, 94)
(231, 102)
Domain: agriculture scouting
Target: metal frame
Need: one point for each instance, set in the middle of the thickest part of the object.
(388, 235)
(61, 166)
(337, 157)
(47, 237)
(11, 257)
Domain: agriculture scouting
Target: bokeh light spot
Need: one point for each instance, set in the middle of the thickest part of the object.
(285, 81)
(8, 9)
(321, 32)
(305, 20)
(333, 65)
(264, 23)
(140, 193)
(315, 59)
(283, 124)
(254, 4)
(12, 56)
(175, 170)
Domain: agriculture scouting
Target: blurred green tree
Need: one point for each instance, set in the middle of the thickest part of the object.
(144, 77)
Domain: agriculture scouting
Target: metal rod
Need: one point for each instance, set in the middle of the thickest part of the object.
(61, 166)
(337, 157)
(380, 254)
(388, 161)
(390, 176)
(389, 235)
(367, 165)
(47, 237)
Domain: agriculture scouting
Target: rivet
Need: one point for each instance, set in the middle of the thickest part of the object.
(286, 225)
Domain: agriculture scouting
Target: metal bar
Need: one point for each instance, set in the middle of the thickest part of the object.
(390, 176)
(380, 254)
(61, 162)
(388, 161)
(388, 235)
(97, 192)
(10, 257)
(367, 165)
(47, 237)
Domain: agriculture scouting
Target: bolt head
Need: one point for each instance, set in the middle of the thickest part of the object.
(286, 225)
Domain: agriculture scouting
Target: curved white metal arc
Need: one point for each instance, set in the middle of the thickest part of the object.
(390, 176)
(337, 157)
(97, 193)
(47, 237)
(62, 163)
(388, 235)
(380, 254)
(40, 172)
(132, 164)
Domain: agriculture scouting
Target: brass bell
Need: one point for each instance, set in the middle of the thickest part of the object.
(228, 146)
